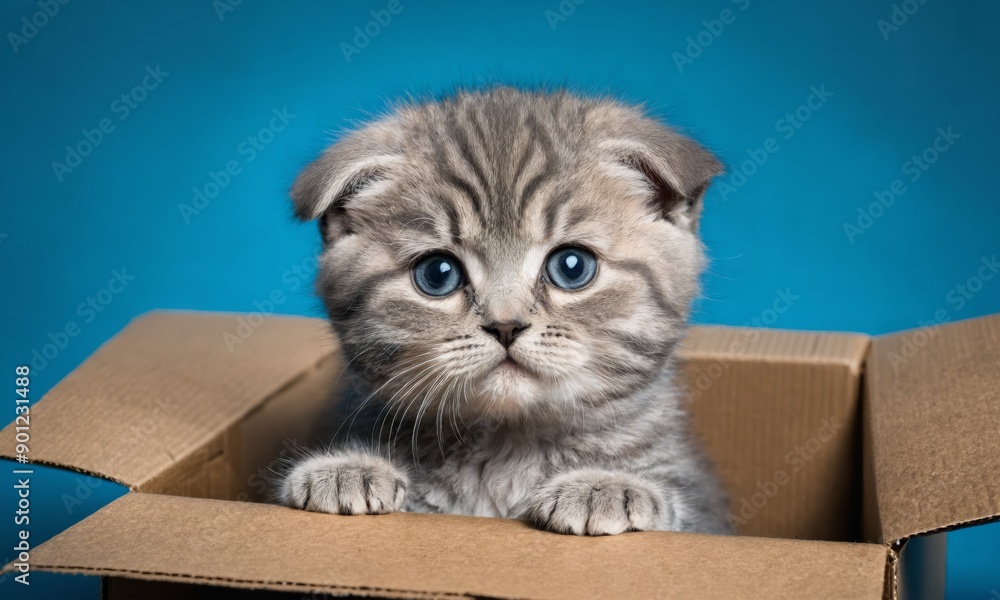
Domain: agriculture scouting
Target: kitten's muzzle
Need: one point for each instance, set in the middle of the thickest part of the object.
(506, 331)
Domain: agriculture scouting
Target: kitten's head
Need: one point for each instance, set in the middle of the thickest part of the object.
(508, 254)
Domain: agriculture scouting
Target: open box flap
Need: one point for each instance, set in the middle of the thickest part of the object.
(724, 343)
(258, 546)
(164, 388)
(780, 409)
(933, 429)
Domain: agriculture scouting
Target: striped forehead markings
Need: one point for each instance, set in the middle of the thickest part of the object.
(466, 152)
(479, 190)
(541, 138)
(452, 178)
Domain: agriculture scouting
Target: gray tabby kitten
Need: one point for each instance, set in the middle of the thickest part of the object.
(508, 273)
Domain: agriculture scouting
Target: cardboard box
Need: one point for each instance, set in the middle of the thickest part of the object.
(840, 452)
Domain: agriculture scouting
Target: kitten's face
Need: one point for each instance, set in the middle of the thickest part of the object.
(508, 255)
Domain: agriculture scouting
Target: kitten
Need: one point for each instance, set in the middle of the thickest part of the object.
(509, 273)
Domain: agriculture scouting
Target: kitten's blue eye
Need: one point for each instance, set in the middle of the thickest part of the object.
(437, 275)
(571, 268)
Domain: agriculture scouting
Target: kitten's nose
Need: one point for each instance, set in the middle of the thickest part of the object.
(506, 331)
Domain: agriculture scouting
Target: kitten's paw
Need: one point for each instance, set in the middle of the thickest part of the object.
(596, 502)
(348, 483)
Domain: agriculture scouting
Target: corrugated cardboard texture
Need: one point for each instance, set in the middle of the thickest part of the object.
(779, 413)
(277, 430)
(147, 536)
(209, 471)
(186, 415)
(933, 406)
(141, 409)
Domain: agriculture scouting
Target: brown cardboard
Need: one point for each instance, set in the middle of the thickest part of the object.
(744, 382)
(933, 397)
(284, 424)
(167, 407)
(419, 556)
(155, 405)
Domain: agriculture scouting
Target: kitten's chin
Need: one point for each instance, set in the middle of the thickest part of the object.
(508, 391)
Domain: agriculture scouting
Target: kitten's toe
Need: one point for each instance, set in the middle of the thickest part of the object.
(592, 502)
(351, 483)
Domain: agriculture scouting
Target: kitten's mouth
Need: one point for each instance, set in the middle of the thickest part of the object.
(512, 367)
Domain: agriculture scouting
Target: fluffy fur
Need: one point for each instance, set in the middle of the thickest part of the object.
(578, 426)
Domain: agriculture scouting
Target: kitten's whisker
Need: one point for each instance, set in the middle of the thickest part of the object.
(397, 401)
(388, 404)
(428, 395)
(413, 385)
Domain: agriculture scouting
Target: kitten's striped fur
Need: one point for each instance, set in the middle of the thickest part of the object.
(593, 438)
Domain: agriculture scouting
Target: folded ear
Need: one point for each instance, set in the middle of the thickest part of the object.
(677, 168)
(346, 171)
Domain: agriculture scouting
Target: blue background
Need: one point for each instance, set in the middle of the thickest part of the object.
(783, 228)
